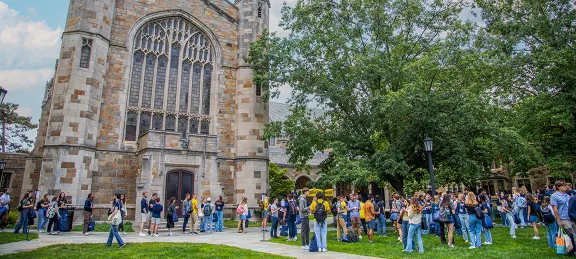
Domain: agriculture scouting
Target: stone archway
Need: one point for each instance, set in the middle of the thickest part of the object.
(302, 181)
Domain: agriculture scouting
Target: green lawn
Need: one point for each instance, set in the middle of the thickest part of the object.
(9, 237)
(230, 223)
(103, 227)
(140, 250)
(389, 247)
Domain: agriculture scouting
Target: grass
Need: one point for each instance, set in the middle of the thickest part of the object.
(103, 227)
(230, 223)
(9, 237)
(389, 247)
(140, 250)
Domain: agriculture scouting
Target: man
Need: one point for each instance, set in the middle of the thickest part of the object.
(370, 214)
(88, 205)
(25, 206)
(265, 204)
(550, 190)
(340, 218)
(144, 209)
(186, 210)
(274, 216)
(4, 207)
(320, 209)
(354, 212)
(291, 210)
(381, 219)
(194, 216)
(304, 212)
(150, 207)
(570, 191)
(559, 202)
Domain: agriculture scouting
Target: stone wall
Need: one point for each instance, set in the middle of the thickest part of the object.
(15, 165)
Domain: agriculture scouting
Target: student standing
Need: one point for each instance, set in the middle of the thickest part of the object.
(363, 216)
(274, 216)
(446, 207)
(532, 217)
(219, 204)
(304, 212)
(405, 225)
(371, 215)
(143, 213)
(415, 220)
(186, 210)
(394, 216)
(122, 204)
(340, 218)
(5, 205)
(242, 211)
(320, 208)
(427, 213)
(488, 211)
(265, 204)
(501, 210)
(208, 216)
(114, 228)
(354, 212)
(53, 214)
(88, 205)
(25, 206)
(381, 219)
(290, 217)
(150, 206)
(157, 209)
(549, 221)
(194, 223)
(508, 208)
(474, 223)
(559, 202)
(172, 213)
(42, 206)
(463, 216)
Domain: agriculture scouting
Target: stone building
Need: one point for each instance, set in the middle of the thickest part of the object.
(155, 96)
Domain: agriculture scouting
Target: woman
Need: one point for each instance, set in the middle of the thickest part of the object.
(446, 207)
(265, 205)
(486, 209)
(427, 212)
(219, 204)
(474, 223)
(243, 213)
(501, 211)
(122, 204)
(62, 210)
(463, 216)
(53, 218)
(201, 215)
(436, 207)
(405, 224)
(42, 206)
(397, 205)
(532, 216)
(415, 220)
(549, 222)
(114, 228)
(171, 214)
(25, 206)
(507, 207)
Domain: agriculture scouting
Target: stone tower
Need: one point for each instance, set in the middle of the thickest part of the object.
(69, 150)
(251, 179)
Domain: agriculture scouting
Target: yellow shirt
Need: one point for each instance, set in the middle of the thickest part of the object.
(194, 206)
(313, 206)
(344, 208)
(362, 214)
(265, 204)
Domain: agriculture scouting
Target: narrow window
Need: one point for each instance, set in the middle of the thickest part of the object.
(206, 90)
(85, 54)
(131, 124)
(259, 10)
(157, 121)
(193, 126)
(272, 141)
(204, 127)
(182, 125)
(144, 122)
(258, 90)
(170, 123)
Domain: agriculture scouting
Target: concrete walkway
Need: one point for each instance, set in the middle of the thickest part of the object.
(249, 241)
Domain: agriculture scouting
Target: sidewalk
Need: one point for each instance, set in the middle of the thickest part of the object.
(250, 240)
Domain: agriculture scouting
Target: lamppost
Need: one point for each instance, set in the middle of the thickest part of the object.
(429, 147)
(2, 167)
(3, 93)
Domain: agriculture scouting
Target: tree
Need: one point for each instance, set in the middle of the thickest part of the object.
(388, 74)
(14, 129)
(280, 184)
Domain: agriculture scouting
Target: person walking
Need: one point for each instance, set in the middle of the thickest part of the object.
(208, 216)
(144, 208)
(320, 208)
(304, 212)
(25, 206)
(42, 206)
(157, 209)
(415, 219)
(219, 204)
(88, 205)
(151, 204)
(242, 211)
(186, 210)
(194, 223)
(341, 229)
(371, 213)
(122, 201)
(463, 216)
(274, 217)
(381, 218)
(474, 223)
(172, 215)
(114, 226)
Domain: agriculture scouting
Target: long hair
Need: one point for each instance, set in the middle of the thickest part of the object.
(545, 201)
(471, 201)
(415, 204)
(172, 200)
(62, 198)
(446, 202)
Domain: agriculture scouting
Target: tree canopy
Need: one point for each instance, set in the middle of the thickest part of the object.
(14, 129)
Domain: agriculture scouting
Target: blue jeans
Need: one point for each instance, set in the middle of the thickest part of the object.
(220, 223)
(552, 232)
(22, 222)
(202, 223)
(292, 229)
(487, 234)
(510, 219)
(114, 234)
(320, 231)
(428, 218)
(521, 215)
(208, 223)
(405, 229)
(348, 225)
(274, 230)
(464, 224)
(186, 218)
(381, 225)
(42, 219)
(504, 219)
(415, 229)
(475, 228)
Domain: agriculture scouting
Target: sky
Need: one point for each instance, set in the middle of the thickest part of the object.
(30, 38)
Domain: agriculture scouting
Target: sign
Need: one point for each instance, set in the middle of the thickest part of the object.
(327, 193)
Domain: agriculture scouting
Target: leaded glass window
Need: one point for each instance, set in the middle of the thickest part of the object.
(171, 72)
(204, 128)
(85, 52)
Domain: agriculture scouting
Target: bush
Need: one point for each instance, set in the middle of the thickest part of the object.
(12, 218)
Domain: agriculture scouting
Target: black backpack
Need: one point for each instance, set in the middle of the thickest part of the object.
(320, 212)
(334, 209)
(547, 215)
(352, 237)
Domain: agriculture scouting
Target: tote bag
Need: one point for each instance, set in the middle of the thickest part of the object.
(560, 244)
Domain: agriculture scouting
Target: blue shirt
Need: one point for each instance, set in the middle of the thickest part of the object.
(560, 200)
(461, 208)
(143, 206)
(156, 210)
(219, 205)
(351, 210)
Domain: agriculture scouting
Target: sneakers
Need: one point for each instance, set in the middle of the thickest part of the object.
(466, 241)
(142, 234)
(451, 246)
(86, 234)
(122, 246)
(307, 247)
(487, 243)
(303, 247)
(170, 234)
(472, 247)
(124, 233)
(289, 240)
(536, 238)
(360, 237)
(39, 230)
(513, 236)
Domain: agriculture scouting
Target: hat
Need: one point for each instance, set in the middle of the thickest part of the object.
(208, 200)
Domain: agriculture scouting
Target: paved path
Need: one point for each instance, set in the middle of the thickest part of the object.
(249, 240)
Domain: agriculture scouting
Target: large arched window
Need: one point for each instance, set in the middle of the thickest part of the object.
(170, 81)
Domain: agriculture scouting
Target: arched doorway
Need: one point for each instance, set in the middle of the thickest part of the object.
(302, 182)
(178, 183)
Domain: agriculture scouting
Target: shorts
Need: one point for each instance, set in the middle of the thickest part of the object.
(355, 221)
(265, 214)
(372, 224)
(143, 217)
(156, 221)
(533, 219)
(243, 217)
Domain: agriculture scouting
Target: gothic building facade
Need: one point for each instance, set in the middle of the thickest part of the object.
(155, 96)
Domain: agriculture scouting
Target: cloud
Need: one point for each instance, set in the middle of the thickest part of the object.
(26, 43)
(25, 79)
(24, 111)
(276, 16)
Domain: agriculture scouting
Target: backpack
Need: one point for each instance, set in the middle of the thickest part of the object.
(208, 209)
(313, 244)
(50, 212)
(240, 209)
(293, 208)
(522, 203)
(352, 238)
(547, 215)
(444, 215)
(334, 209)
(320, 212)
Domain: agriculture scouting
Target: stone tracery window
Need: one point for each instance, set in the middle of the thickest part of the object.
(171, 78)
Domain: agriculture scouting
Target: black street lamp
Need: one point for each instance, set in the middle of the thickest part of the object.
(2, 167)
(429, 147)
(3, 93)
